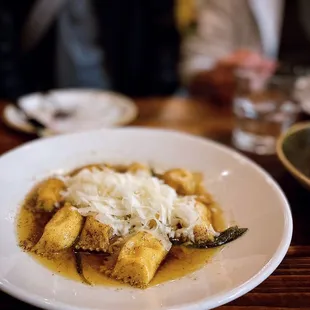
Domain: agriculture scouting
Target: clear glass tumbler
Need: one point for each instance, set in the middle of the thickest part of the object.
(263, 109)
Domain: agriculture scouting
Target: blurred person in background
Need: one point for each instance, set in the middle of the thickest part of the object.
(128, 46)
(231, 34)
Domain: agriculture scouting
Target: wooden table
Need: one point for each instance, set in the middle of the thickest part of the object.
(289, 286)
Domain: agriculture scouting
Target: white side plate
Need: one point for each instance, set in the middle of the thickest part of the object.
(87, 110)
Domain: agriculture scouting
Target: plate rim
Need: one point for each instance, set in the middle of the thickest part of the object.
(218, 299)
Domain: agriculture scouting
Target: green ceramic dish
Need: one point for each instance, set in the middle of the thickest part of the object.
(293, 150)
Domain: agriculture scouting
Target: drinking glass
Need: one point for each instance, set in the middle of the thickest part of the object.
(263, 109)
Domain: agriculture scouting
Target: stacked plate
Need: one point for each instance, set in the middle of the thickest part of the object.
(73, 110)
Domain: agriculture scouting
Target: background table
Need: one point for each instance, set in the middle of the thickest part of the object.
(289, 286)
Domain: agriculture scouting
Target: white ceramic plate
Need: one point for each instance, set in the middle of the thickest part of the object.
(247, 194)
(89, 109)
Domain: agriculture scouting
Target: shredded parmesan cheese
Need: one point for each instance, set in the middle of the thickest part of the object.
(130, 203)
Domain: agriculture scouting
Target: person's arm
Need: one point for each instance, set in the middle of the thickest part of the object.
(213, 38)
(218, 48)
(219, 82)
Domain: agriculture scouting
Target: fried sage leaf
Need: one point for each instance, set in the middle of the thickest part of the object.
(228, 235)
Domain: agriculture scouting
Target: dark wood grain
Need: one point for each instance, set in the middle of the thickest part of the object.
(289, 286)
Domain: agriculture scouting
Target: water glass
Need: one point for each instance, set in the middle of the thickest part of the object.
(263, 109)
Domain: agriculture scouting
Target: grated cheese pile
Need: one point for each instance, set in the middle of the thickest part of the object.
(133, 202)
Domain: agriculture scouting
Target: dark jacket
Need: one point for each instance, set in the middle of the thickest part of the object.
(139, 38)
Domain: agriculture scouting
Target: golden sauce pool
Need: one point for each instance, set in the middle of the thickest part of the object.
(179, 262)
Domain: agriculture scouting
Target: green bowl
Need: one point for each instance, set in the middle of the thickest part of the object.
(293, 150)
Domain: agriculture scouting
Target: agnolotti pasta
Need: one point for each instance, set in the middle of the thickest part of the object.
(61, 231)
(95, 236)
(139, 259)
(125, 223)
(49, 195)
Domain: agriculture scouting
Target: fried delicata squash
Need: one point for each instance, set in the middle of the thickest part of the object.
(139, 260)
(137, 168)
(95, 236)
(203, 196)
(203, 231)
(187, 183)
(183, 181)
(49, 195)
(61, 231)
